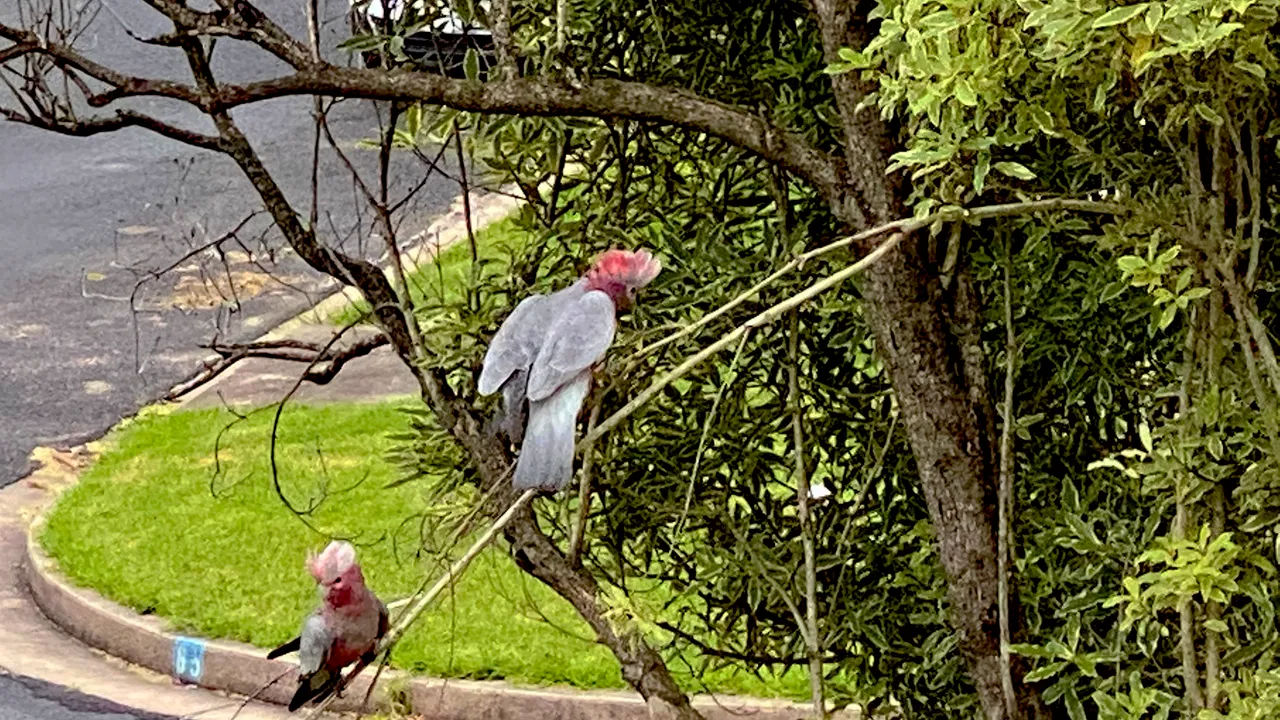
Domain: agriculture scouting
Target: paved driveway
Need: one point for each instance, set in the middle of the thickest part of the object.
(81, 217)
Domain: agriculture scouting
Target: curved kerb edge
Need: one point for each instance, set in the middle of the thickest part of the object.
(244, 670)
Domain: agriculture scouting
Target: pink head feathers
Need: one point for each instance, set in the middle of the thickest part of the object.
(621, 272)
(337, 573)
(334, 562)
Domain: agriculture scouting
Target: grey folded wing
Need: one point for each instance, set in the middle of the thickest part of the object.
(579, 338)
(514, 345)
(314, 645)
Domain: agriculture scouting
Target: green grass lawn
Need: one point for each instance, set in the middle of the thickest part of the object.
(152, 527)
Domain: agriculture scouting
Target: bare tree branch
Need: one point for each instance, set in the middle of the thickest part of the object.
(325, 362)
(111, 123)
(537, 97)
(237, 20)
(64, 57)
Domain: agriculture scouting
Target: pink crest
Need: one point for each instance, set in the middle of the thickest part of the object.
(333, 561)
(633, 269)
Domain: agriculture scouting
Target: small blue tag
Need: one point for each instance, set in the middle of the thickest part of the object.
(188, 659)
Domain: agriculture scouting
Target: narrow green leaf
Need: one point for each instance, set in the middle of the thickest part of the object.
(1088, 666)
(362, 42)
(1144, 434)
(1074, 707)
(980, 171)
(1099, 98)
(1045, 672)
(1209, 114)
(1154, 15)
(1259, 521)
(1042, 118)
(1015, 170)
(1109, 706)
(1119, 16)
(853, 57)
(1252, 68)
(940, 22)
(471, 64)
(1131, 264)
(965, 93)
(1027, 650)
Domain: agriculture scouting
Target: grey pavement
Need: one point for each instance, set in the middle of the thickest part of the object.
(24, 698)
(83, 219)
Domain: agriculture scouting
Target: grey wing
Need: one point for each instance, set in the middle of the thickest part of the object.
(579, 339)
(509, 348)
(316, 639)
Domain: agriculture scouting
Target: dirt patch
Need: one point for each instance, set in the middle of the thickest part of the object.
(197, 292)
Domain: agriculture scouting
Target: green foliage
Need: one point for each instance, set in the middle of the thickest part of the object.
(1254, 697)
(1204, 569)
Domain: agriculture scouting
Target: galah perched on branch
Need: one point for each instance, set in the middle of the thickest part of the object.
(345, 628)
(545, 352)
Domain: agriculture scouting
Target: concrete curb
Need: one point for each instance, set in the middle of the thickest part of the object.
(244, 670)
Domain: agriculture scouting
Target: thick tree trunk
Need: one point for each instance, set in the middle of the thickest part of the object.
(948, 417)
(929, 342)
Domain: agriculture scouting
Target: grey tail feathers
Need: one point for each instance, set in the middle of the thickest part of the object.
(285, 649)
(546, 456)
(511, 416)
(314, 687)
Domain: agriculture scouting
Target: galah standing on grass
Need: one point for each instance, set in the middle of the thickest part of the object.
(545, 351)
(345, 628)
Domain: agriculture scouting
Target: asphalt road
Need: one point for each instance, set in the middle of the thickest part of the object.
(23, 698)
(82, 220)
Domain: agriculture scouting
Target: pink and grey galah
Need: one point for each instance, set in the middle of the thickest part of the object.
(545, 351)
(345, 627)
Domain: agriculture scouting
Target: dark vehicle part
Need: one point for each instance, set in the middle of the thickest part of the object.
(439, 48)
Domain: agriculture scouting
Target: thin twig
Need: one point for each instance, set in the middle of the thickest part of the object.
(1244, 335)
(1255, 202)
(466, 214)
(562, 24)
(502, 39)
(760, 320)
(706, 432)
(1005, 490)
(1186, 622)
(579, 532)
(292, 351)
(814, 640)
(860, 499)
(1262, 339)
